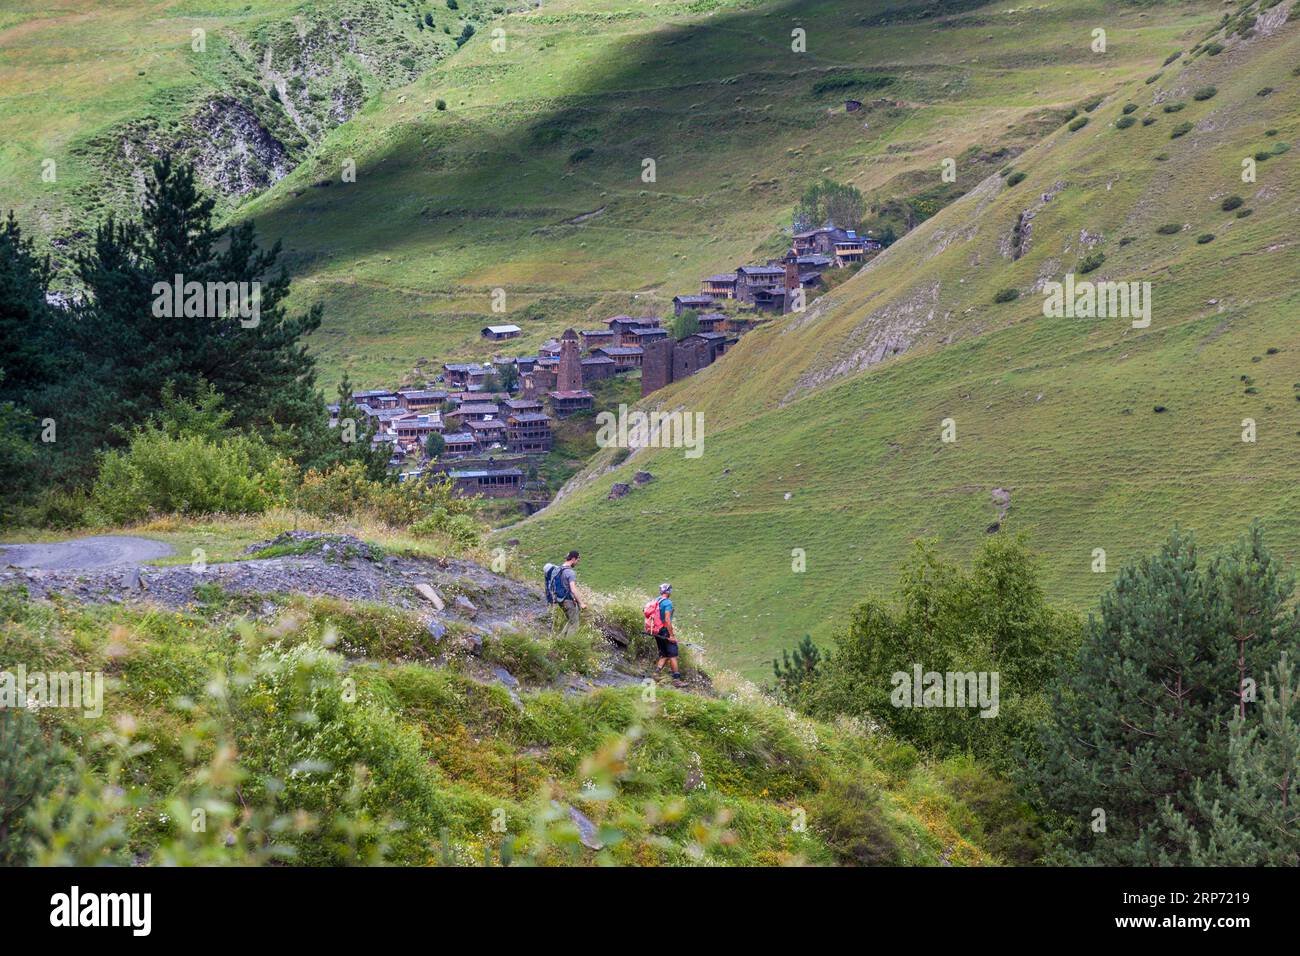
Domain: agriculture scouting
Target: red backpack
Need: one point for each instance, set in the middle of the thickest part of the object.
(654, 617)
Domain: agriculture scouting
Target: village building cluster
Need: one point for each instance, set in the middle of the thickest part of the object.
(492, 439)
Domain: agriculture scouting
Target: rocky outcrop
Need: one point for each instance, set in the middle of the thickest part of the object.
(270, 95)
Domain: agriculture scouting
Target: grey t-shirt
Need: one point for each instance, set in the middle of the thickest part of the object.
(569, 577)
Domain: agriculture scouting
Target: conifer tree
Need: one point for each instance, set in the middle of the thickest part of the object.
(1252, 814)
(28, 766)
(1143, 714)
(258, 363)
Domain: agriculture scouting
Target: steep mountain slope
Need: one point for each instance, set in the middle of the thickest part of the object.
(824, 432)
(530, 181)
(92, 91)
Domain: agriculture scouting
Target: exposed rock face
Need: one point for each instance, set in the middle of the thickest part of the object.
(281, 88)
(234, 153)
(1002, 498)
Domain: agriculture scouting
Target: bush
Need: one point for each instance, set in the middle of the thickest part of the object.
(852, 81)
(1129, 108)
(1148, 120)
(1016, 177)
(1172, 56)
(1092, 261)
(1265, 91)
(1153, 77)
(990, 618)
(1180, 130)
(1006, 295)
(426, 507)
(29, 764)
(1169, 229)
(1205, 93)
(1205, 237)
(1214, 49)
(1174, 107)
(850, 817)
(1124, 122)
(1243, 213)
(189, 474)
(1231, 203)
(440, 104)
(1078, 123)
(578, 155)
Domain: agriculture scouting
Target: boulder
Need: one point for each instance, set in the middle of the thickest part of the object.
(619, 489)
(587, 831)
(465, 606)
(427, 592)
(642, 478)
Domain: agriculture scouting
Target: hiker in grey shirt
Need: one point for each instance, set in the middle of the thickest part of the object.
(572, 600)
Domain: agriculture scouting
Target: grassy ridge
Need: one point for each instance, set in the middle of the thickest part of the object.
(434, 763)
(1059, 411)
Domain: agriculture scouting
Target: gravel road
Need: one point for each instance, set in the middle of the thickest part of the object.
(100, 551)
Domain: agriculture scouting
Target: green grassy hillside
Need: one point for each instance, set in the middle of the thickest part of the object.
(339, 733)
(530, 180)
(824, 430)
(242, 88)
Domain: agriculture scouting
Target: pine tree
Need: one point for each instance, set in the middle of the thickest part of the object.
(1252, 818)
(259, 363)
(30, 345)
(794, 669)
(1143, 715)
(28, 768)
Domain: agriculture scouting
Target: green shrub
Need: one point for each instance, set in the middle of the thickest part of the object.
(188, 474)
(1214, 49)
(440, 104)
(1092, 104)
(1153, 77)
(1205, 93)
(578, 155)
(1015, 178)
(992, 618)
(1148, 120)
(1006, 295)
(29, 768)
(1180, 130)
(851, 818)
(863, 82)
(1243, 213)
(1129, 108)
(334, 754)
(1231, 203)
(1205, 237)
(1265, 91)
(1171, 57)
(1005, 823)
(1169, 229)
(1174, 107)
(345, 490)
(1092, 261)
(1078, 123)
(1124, 122)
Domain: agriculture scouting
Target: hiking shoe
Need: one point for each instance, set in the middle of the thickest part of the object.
(677, 677)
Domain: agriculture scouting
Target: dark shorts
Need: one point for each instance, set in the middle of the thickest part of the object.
(667, 648)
